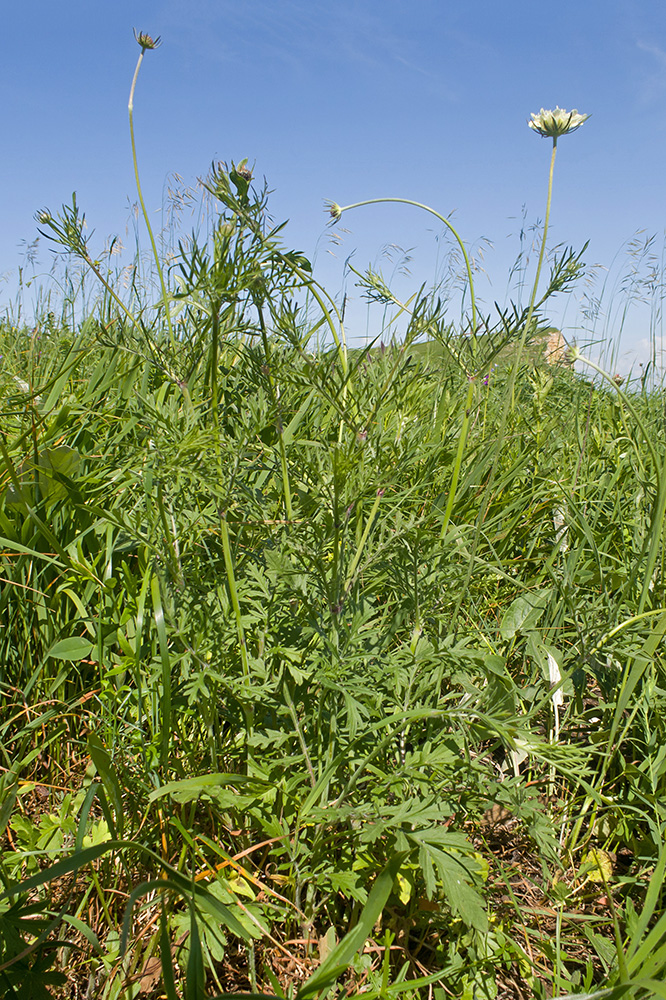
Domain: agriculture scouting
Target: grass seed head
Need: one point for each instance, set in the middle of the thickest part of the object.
(556, 123)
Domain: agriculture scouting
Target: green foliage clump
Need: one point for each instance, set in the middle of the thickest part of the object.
(296, 639)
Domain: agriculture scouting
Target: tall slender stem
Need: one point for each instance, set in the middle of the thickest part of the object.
(530, 311)
(542, 252)
(130, 108)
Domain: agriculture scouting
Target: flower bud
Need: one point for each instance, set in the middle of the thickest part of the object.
(145, 41)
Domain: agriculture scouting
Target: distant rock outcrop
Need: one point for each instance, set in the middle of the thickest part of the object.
(555, 348)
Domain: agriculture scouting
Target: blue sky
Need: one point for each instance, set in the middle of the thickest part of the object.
(347, 100)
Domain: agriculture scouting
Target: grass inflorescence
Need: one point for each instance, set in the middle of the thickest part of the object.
(324, 668)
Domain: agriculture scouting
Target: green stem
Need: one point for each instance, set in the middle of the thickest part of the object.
(286, 485)
(509, 400)
(98, 274)
(246, 701)
(318, 291)
(339, 341)
(233, 592)
(364, 538)
(130, 108)
(535, 287)
(545, 231)
(158, 359)
(462, 440)
(299, 732)
(426, 208)
(619, 628)
(659, 510)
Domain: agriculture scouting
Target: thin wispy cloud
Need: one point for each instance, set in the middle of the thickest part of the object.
(305, 37)
(654, 76)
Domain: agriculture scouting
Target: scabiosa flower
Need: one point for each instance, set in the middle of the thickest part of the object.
(333, 210)
(145, 41)
(555, 123)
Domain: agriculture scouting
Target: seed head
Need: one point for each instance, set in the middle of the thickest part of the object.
(145, 41)
(333, 210)
(556, 123)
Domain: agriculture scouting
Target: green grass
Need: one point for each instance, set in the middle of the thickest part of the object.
(323, 669)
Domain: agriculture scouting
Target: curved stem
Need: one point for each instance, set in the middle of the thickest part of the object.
(130, 108)
(427, 208)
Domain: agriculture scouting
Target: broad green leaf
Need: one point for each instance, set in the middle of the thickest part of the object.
(524, 613)
(54, 463)
(597, 866)
(73, 648)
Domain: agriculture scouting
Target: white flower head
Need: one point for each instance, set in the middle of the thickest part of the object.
(556, 123)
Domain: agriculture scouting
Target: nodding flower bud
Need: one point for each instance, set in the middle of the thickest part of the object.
(333, 210)
(556, 123)
(145, 41)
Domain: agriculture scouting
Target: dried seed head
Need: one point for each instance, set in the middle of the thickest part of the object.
(556, 123)
(145, 41)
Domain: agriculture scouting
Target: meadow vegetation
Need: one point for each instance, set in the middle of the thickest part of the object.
(324, 671)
